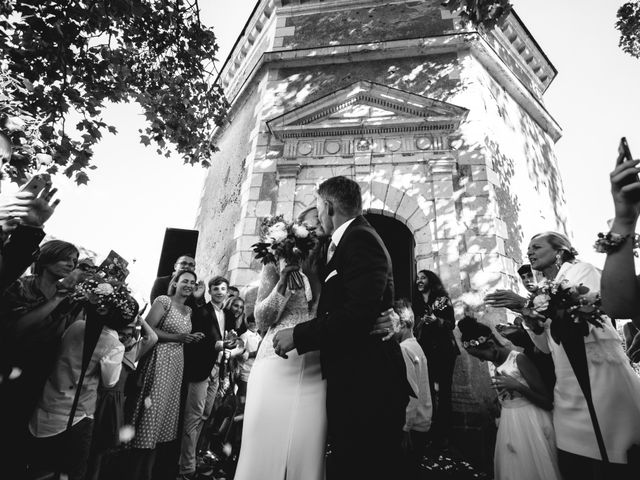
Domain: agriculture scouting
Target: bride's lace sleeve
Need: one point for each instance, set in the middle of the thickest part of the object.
(269, 301)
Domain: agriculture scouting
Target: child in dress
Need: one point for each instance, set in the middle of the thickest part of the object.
(525, 444)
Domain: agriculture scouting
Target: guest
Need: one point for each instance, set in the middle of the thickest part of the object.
(620, 285)
(202, 367)
(526, 275)
(419, 410)
(434, 331)
(157, 410)
(161, 285)
(251, 339)
(53, 446)
(525, 445)
(615, 386)
(236, 307)
(138, 339)
(34, 313)
(232, 293)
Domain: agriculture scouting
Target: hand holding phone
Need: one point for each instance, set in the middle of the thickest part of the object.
(35, 184)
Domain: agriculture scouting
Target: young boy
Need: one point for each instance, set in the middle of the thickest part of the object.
(420, 408)
(251, 339)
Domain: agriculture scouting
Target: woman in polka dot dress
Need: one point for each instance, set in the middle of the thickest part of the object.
(157, 410)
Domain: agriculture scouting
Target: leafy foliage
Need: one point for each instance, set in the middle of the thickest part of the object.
(629, 26)
(63, 60)
(485, 13)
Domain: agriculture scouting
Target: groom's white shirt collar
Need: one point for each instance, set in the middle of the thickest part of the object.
(339, 232)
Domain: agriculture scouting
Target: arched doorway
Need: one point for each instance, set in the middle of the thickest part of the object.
(401, 245)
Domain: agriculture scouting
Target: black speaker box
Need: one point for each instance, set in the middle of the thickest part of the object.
(177, 241)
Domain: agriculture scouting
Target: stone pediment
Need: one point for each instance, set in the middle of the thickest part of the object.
(367, 108)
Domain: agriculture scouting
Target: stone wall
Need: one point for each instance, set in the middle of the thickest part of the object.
(368, 24)
(220, 206)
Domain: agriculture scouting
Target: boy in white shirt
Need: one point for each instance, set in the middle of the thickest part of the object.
(251, 339)
(420, 408)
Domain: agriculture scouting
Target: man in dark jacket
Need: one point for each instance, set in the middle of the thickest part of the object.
(201, 368)
(161, 284)
(367, 388)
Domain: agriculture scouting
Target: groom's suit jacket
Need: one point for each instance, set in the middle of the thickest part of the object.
(357, 287)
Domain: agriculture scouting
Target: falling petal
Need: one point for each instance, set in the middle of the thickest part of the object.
(15, 373)
(126, 433)
(226, 449)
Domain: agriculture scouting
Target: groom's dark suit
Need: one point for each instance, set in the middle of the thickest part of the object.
(367, 389)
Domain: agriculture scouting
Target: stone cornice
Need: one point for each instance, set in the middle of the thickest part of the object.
(473, 41)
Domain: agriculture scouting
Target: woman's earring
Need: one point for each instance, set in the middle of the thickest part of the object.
(558, 261)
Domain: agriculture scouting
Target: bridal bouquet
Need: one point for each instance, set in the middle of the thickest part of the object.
(289, 242)
(567, 306)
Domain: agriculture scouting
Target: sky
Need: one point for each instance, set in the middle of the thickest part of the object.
(135, 194)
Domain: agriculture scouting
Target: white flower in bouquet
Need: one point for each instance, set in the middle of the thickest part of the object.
(103, 289)
(277, 232)
(541, 302)
(300, 231)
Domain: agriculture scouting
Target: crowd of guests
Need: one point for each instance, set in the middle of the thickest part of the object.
(153, 387)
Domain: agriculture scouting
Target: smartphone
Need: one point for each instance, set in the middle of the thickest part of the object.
(35, 185)
(625, 154)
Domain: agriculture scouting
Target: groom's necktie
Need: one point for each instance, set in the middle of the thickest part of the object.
(331, 251)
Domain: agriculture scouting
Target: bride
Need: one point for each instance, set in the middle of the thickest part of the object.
(285, 420)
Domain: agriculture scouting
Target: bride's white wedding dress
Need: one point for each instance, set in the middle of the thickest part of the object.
(285, 419)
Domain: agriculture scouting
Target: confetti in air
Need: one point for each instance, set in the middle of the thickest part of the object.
(126, 433)
(15, 373)
(226, 449)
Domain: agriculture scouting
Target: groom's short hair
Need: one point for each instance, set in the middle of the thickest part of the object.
(343, 193)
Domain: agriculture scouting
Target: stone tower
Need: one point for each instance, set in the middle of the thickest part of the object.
(443, 126)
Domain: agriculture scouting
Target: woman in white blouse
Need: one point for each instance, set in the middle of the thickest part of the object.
(614, 385)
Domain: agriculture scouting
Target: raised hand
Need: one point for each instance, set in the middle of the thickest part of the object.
(505, 299)
(199, 290)
(625, 190)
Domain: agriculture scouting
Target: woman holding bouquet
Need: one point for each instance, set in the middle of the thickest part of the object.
(614, 386)
(285, 416)
(435, 322)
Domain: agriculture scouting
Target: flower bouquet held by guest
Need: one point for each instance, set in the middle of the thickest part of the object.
(157, 410)
(284, 429)
(91, 352)
(434, 331)
(564, 319)
(525, 444)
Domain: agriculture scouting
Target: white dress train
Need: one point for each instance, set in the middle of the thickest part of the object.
(285, 419)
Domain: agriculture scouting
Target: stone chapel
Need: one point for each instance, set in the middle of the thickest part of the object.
(443, 125)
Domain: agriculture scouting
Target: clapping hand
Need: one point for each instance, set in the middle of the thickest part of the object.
(190, 337)
(505, 299)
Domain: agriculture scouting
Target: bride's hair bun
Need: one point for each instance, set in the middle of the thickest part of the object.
(471, 329)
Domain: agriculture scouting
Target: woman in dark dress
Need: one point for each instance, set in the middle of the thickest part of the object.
(435, 322)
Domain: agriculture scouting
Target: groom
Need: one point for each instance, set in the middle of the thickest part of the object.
(367, 390)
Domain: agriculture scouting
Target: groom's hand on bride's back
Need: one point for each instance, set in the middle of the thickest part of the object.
(384, 325)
